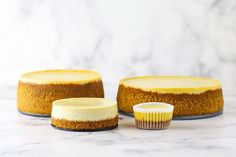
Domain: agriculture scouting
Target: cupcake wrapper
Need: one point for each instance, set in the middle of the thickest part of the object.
(152, 125)
(153, 116)
(153, 120)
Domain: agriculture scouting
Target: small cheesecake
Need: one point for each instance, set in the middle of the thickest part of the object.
(37, 90)
(84, 114)
(191, 96)
(153, 115)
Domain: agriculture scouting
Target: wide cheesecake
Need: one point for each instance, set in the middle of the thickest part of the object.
(37, 90)
(84, 114)
(191, 96)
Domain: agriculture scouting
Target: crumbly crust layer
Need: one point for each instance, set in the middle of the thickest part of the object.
(210, 101)
(38, 98)
(85, 125)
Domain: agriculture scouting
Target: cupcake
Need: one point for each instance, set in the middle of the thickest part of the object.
(153, 115)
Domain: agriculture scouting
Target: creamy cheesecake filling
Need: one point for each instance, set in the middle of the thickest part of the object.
(172, 84)
(84, 109)
(60, 76)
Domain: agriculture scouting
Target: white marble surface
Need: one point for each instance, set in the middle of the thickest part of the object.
(30, 136)
(119, 38)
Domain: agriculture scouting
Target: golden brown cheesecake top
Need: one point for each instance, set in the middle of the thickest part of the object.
(172, 84)
(60, 76)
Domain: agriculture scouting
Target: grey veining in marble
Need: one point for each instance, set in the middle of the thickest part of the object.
(31, 136)
(119, 37)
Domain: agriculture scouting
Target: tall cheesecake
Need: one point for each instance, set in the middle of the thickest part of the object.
(37, 90)
(191, 96)
(84, 114)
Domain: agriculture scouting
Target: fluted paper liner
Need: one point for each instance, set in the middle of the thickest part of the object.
(153, 115)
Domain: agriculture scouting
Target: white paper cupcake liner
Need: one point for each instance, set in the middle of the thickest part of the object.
(157, 115)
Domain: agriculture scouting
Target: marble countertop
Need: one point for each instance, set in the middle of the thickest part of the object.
(31, 136)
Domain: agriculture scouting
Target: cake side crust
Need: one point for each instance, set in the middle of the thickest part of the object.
(84, 125)
(207, 102)
(38, 98)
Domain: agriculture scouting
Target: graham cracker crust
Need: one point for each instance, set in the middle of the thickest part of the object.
(148, 125)
(37, 98)
(208, 102)
(85, 125)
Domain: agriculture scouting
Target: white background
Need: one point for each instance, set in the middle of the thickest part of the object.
(119, 38)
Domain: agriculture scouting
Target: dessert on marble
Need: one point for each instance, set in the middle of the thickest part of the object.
(84, 114)
(192, 97)
(153, 115)
(37, 90)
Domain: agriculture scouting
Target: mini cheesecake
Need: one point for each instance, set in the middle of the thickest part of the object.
(153, 115)
(191, 96)
(37, 90)
(84, 114)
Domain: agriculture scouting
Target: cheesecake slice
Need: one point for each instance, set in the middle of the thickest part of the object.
(191, 96)
(84, 114)
(37, 90)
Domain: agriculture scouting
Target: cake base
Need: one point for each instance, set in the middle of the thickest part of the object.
(35, 115)
(210, 115)
(74, 130)
(85, 125)
(183, 117)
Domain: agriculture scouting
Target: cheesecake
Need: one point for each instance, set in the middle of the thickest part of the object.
(84, 114)
(153, 115)
(192, 97)
(37, 90)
